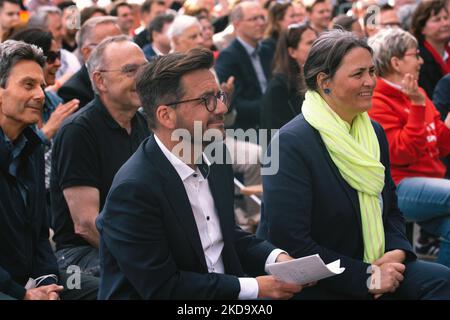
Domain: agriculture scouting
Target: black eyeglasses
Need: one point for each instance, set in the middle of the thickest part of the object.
(210, 101)
(53, 55)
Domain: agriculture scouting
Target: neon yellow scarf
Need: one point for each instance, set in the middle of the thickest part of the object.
(356, 153)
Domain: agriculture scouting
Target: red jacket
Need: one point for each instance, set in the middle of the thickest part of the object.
(417, 136)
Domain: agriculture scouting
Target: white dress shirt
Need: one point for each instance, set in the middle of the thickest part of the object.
(207, 220)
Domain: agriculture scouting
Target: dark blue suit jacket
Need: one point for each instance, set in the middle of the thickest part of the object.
(235, 61)
(150, 247)
(309, 208)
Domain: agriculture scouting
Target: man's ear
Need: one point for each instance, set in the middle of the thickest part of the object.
(85, 52)
(166, 117)
(99, 81)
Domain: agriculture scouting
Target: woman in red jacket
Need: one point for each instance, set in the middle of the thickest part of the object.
(417, 137)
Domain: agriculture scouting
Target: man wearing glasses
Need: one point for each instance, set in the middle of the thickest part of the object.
(91, 146)
(167, 228)
(90, 35)
(248, 62)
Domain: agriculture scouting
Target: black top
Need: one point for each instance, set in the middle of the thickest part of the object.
(430, 71)
(68, 46)
(78, 87)
(141, 39)
(235, 61)
(279, 104)
(24, 246)
(88, 150)
(310, 209)
(150, 246)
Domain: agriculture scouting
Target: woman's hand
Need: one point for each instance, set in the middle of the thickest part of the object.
(411, 89)
(396, 255)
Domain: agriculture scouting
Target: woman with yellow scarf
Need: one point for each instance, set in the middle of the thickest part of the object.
(333, 194)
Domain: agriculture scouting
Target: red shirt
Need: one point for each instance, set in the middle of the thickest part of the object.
(417, 136)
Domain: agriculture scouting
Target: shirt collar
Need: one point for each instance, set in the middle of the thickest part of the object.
(158, 53)
(248, 47)
(183, 170)
(28, 139)
(110, 121)
(396, 86)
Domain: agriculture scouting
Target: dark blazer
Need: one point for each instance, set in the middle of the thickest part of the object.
(430, 72)
(142, 38)
(279, 104)
(24, 246)
(78, 87)
(149, 52)
(310, 209)
(234, 61)
(150, 247)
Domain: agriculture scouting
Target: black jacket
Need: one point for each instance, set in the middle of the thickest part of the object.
(279, 104)
(150, 247)
(24, 240)
(78, 87)
(430, 72)
(235, 61)
(310, 209)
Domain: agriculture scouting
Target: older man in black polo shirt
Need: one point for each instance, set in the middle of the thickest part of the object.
(90, 148)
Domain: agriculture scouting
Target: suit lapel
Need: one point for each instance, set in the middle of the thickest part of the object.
(247, 64)
(266, 61)
(178, 199)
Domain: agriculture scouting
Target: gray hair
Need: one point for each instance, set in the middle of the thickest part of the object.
(405, 13)
(327, 53)
(87, 29)
(96, 60)
(40, 18)
(12, 51)
(389, 43)
(180, 24)
(237, 13)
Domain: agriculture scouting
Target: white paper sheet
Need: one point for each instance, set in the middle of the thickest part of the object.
(304, 270)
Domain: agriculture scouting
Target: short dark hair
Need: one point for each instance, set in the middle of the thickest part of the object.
(310, 6)
(11, 52)
(66, 4)
(160, 81)
(18, 2)
(158, 23)
(147, 5)
(424, 11)
(88, 12)
(344, 22)
(327, 53)
(115, 9)
(38, 37)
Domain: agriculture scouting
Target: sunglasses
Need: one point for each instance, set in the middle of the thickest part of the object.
(52, 56)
